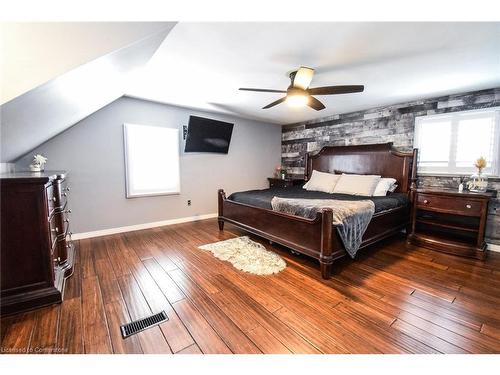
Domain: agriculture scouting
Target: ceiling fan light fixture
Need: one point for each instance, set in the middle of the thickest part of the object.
(299, 94)
(303, 77)
(297, 100)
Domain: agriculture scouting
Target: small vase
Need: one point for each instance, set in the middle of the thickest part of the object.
(478, 183)
(460, 188)
(36, 168)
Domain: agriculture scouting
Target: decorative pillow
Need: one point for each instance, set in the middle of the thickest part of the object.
(321, 181)
(356, 184)
(383, 186)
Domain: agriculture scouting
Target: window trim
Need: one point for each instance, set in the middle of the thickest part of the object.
(128, 193)
(495, 168)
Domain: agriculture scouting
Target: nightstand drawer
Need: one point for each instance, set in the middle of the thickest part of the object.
(467, 207)
(283, 183)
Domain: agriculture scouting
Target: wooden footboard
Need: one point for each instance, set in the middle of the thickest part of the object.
(312, 237)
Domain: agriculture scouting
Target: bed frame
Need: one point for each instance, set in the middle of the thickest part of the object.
(317, 237)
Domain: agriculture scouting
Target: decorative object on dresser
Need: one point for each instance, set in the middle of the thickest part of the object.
(35, 242)
(38, 163)
(282, 183)
(450, 221)
(462, 184)
(479, 181)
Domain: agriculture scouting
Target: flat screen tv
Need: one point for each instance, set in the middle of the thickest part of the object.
(207, 135)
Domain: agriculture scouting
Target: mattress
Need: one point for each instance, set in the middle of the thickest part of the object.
(262, 198)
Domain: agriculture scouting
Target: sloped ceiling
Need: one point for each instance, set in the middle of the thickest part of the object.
(35, 53)
(43, 112)
(202, 65)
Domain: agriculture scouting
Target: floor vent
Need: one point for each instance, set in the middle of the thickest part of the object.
(132, 328)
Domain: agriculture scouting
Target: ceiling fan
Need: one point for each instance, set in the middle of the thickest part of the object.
(299, 93)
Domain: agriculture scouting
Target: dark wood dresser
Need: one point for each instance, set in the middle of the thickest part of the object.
(282, 183)
(35, 241)
(449, 221)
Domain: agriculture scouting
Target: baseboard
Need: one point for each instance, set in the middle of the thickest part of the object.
(155, 224)
(131, 228)
(493, 247)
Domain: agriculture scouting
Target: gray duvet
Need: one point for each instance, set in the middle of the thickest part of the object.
(351, 218)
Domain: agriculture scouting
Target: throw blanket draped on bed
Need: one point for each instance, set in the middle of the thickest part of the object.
(351, 218)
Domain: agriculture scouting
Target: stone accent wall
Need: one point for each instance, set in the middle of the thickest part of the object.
(393, 123)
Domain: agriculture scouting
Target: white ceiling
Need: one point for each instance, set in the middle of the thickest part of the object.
(202, 65)
(35, 53)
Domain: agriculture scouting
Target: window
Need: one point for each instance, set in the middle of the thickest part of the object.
(151, 160)
(450, 143)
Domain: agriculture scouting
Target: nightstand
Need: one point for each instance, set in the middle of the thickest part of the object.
(448, 221)
(283, 183)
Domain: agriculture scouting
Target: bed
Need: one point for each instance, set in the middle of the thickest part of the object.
(317, 237)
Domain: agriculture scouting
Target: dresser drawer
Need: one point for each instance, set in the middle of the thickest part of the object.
(51, 199)
(467, 207)
(61, 192)
(65, 225)
(63, 199)
(54, 230)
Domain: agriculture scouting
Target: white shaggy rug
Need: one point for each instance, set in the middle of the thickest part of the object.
(247, 255)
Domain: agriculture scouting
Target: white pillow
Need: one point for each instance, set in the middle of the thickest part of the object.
(321, 181)
(383, 186)
(356, 184)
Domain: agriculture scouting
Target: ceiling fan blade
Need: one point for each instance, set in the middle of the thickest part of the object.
(315, 104)
(275, 103)
(261, 90)
(331, 90)
(303, 78)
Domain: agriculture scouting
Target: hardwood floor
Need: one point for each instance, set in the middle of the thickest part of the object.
(396, 298)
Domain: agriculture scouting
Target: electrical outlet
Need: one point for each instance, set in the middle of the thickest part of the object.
(189, 202)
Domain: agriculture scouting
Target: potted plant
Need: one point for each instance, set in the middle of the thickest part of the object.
(38, 163)
(478, 181)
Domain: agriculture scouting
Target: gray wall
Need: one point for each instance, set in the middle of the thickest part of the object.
(6, 167)
(394, 123)
(92, 151)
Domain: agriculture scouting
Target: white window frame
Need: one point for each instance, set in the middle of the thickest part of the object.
(130, 193)
(452, 169)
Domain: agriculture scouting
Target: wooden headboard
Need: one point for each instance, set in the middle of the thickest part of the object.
(379, 159)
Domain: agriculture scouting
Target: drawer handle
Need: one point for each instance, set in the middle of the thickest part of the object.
(468, 206)
(67, 188)
(64, 194)
(426, 201)
(54, 199)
